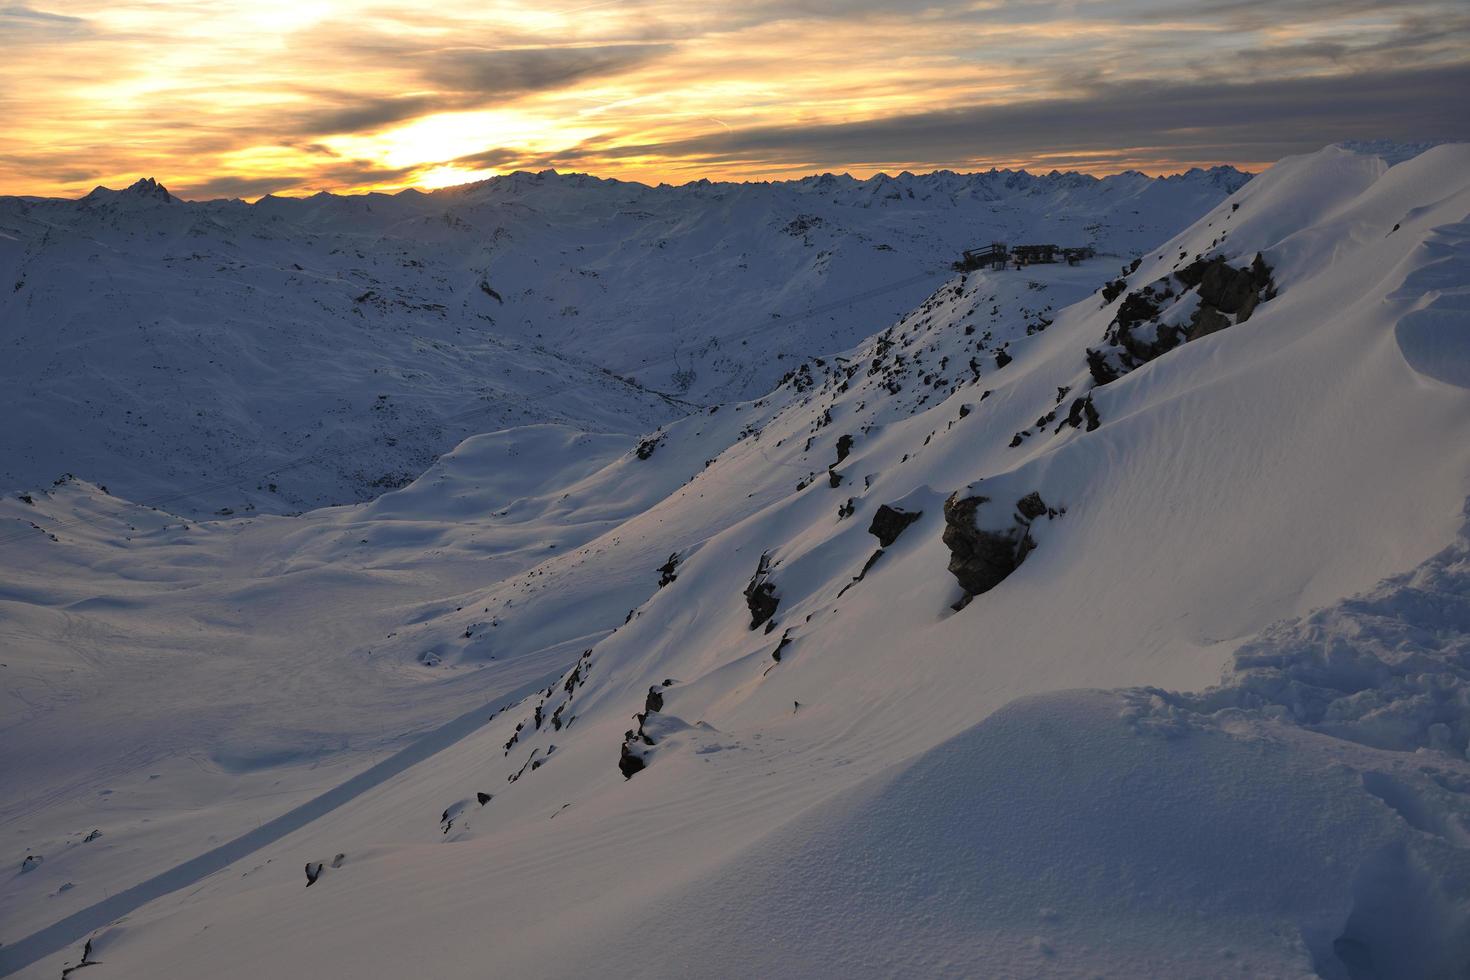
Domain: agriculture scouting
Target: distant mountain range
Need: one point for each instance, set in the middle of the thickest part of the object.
(297, 352)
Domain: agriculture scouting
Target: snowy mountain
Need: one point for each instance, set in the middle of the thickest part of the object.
(296, 353)
(1082, 621)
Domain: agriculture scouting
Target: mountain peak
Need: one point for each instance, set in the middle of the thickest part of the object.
(150, 188)
(144, 190)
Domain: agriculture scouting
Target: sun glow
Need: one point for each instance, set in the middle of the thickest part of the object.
(249, 96)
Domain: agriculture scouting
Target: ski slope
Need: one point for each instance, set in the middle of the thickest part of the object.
(1210, 720)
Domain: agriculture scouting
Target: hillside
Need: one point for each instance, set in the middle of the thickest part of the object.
(1050, 630)
(295, 353)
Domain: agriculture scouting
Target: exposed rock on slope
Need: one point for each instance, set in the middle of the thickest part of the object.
(1154, 319)
(889, 522)
(760, 594)
(983, 555)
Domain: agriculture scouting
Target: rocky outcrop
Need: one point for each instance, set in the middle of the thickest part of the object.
(844, 447)
(889, 523)
(633, 758)
(645, 449)
(1083, 412)
(1227, 289)
(630, 763)
(984, 553)
(760, 594)
(1142, 328)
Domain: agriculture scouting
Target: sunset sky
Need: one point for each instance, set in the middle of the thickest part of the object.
(247, 97)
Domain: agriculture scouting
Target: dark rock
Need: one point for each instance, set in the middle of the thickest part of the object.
(629, 764)
(844, 447)
(1002, 359)
(647, 446)
(834, 479)
(785, 642)
(313, 872)
(1229, 290)
(1031, 506)
(1083, 410)
(1137, 307)
(889, 522)
(1224, 289)
(667, 571)
(1206, 320)
(760, 594)
(484, 798)
(1100, 368)
(981, 559)
(654, 702)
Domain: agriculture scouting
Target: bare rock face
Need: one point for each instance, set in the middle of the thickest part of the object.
(760, 594)
(982, 557)
(889, 523)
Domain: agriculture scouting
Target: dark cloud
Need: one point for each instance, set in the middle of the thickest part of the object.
(470, 78)
(370, 113)
(348, 173)
(1260, 14)
(1254, 121)
(22, 23)
(492, 73)
(234, 186)
(495, 158)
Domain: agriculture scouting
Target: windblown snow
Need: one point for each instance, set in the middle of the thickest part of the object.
(1079, 621)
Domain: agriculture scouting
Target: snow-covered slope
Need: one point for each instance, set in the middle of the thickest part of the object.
(878, 674)
(296, 353)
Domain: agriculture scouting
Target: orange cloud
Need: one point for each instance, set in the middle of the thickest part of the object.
(244, 97)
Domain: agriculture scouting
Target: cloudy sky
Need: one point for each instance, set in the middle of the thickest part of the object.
(246, 97)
